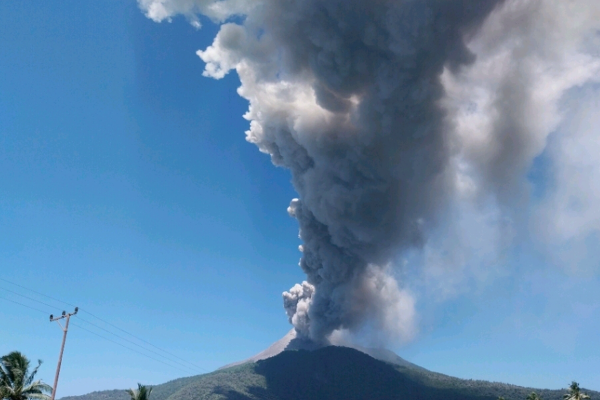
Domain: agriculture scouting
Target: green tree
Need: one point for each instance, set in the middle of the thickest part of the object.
(141, 393)
(17, 383)
(533, 396)
(575, 393)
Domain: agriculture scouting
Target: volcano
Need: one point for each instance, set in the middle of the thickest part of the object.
(297, 369)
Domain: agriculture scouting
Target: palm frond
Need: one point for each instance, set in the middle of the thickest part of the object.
(16, 383)
(16, 366)
(38, 396)
(141, 393)
(31, 377)
(37, 387)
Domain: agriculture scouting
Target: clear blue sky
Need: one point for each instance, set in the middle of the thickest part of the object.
(127, 188)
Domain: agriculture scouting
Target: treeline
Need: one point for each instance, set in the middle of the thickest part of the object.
(574, 393)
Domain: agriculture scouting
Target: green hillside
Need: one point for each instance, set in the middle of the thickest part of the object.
(329, 373)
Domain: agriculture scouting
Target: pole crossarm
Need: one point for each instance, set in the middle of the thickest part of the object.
(66, 316)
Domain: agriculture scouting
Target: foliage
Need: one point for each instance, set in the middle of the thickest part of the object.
(533, 396)
(17, 382)
(141, 393)
(575, 393)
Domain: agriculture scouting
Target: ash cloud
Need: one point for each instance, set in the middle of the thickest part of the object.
(406, 125)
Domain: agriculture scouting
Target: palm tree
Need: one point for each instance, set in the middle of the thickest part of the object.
(533, 396)
(575, 393)
(142, 392)
(16, 383)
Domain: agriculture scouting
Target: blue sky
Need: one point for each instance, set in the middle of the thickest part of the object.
(127, 188)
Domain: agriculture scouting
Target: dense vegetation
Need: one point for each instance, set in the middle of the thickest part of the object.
(330, 373)
(17, 381)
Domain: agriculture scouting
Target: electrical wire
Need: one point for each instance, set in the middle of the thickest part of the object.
(142, 340)
(24, 305)
(27, 297)
(100, 319)
(31, 290)
(129, 348)
(99, 327)
(94, 333)
(135, 344)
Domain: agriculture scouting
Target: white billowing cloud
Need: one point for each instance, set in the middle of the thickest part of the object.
(410, 127)
(296, 303)
(236, 48)
(218, 10)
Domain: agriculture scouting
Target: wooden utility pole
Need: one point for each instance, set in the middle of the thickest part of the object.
(62, 347)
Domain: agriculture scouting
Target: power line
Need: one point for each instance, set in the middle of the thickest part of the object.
(106, 322)
(142, 340)
(41, 294)
(21, 304)
(27, 297)
(134, 343)
(94, 333)
(129, 348)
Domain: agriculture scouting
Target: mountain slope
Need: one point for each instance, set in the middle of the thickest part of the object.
(291, 342)
(330, 373)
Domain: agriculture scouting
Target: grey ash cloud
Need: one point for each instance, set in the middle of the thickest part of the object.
(394, 117)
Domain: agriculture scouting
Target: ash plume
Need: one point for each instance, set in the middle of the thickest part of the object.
(399, 121)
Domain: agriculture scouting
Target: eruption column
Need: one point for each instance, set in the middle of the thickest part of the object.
(392, 128)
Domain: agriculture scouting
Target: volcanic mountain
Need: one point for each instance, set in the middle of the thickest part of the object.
(295, 369)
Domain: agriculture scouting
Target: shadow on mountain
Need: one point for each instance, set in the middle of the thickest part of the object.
(338, 373)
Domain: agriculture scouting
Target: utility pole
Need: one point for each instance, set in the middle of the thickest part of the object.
(62, 347)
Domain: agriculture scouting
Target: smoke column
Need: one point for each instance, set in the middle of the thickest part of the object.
(393, 116)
